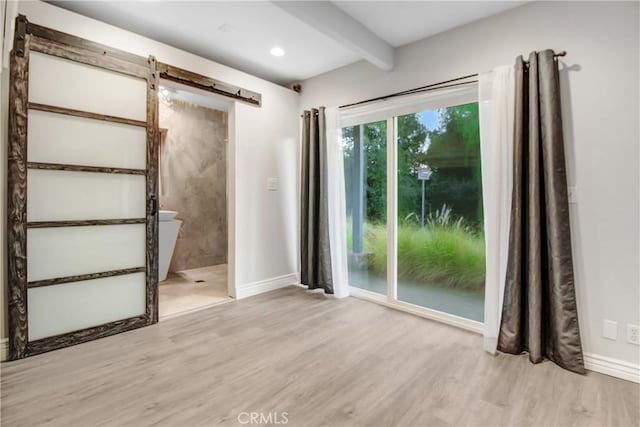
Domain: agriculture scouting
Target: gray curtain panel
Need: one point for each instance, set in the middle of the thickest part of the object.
(539, 315)
(315, 253)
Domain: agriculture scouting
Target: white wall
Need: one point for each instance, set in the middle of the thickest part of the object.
(265, 141)
(599, 78)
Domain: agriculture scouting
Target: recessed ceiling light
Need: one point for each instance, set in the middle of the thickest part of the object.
(277, 51)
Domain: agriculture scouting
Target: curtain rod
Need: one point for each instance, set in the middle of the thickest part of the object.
(426, 88)
(429, 87)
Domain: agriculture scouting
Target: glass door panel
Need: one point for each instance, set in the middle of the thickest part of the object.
(55, 195)
(72, 251)
(57, 309)
(59, 138)
(365, 168)
(440, 241)
(64, 83)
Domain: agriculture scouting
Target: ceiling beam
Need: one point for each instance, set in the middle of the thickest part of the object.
(332, 21)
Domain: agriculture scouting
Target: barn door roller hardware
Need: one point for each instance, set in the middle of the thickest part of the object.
(21, 34)
(189, 78)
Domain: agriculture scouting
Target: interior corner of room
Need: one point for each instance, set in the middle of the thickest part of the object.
(266, 205)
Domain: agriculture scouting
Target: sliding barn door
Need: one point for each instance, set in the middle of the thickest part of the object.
(82, 224)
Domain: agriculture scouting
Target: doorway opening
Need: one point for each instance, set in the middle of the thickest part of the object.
(193, 199)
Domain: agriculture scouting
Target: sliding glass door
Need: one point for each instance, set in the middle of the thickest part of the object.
(365, 167)
(428, 252)
(440, 242)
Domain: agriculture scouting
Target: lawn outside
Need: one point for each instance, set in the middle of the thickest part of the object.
(443, 252)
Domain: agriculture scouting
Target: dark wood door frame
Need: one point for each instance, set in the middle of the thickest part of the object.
(30, 37)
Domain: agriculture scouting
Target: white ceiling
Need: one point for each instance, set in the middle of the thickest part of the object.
(402, 22)
(241, 33)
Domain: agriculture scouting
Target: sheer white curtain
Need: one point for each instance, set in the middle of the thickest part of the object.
(337, 208)
(496, 101)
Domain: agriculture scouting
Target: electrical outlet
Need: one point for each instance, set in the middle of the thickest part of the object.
(610, 329)
(633, 334)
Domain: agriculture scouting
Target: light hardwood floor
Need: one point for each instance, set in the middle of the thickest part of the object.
(323, 361)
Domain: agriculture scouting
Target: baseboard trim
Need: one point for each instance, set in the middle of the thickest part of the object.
(593, 362)
(612, 367)
(193, 310)
(4, 349)
(267, 285)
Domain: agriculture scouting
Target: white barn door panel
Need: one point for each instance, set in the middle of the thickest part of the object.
(83, 192)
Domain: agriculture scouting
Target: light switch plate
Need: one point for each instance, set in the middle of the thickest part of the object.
(272, 184)
(610, 329)
(572, 194)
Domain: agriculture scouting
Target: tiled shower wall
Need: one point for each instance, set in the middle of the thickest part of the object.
(193, 162)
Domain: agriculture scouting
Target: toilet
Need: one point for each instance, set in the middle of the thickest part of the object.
(169, 228)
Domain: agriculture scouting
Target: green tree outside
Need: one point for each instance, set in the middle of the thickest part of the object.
(451, 150)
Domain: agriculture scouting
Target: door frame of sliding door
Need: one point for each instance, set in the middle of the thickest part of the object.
(392, 210)
(427, 313)
(391, 298)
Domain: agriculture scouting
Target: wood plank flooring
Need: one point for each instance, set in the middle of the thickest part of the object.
(322, 361)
